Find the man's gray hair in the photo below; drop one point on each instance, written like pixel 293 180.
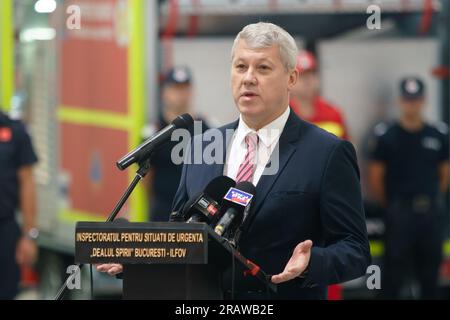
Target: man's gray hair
pixel 264 35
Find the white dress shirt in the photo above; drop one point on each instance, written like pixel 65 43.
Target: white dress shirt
pixel 268 136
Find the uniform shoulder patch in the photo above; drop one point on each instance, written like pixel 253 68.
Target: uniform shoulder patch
pixel 381 128
pixel 442 127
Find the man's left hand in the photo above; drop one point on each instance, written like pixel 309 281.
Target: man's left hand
pixel 26 252
pixel 297 264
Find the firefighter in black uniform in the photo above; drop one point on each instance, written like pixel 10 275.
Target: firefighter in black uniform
pixel 164 176
pixel 17 191
pixel 408 175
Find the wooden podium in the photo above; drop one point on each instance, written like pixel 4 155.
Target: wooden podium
pixel 163 260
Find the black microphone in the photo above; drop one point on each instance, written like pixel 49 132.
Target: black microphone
pixel 236 200
pixel 144 150
pixel 206 206
pixel 176 216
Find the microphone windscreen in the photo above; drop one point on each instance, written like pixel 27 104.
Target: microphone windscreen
pixel 219 186
pixel 184 121
pixel 188 205
pixel 246 186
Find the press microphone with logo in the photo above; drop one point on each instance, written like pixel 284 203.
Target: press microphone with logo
pixel 144 150
pixel 206 206
pixel 236 201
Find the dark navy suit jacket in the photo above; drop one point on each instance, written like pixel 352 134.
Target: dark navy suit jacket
pixel 314 195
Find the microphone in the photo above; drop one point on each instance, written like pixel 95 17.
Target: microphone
pixel 176 216
pixel 144 150
pixel 237 199
pixel 205 206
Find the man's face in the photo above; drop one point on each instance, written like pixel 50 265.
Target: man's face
pixel 260 83
pixel 307 86
pixel 412 107
pixel 177 97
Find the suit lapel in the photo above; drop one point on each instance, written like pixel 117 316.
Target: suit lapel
pixel 286 148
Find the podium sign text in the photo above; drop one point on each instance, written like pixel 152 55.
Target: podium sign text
pixel 141 243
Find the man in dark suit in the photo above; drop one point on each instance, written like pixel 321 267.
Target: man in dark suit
pixel 306 224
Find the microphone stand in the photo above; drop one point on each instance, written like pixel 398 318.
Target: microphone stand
pixel 144 167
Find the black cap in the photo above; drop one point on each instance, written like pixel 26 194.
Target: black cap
pixel 178 75
pixel 412 88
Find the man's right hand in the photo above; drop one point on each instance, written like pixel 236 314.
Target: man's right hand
pixel 111 268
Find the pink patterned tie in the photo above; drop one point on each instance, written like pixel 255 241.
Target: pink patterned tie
pixel 247 167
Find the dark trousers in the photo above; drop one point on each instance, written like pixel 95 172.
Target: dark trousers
pixel 10 272
pixel 413 245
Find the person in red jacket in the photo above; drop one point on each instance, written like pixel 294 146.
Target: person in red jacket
pixel 310 106
pixel 307 102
